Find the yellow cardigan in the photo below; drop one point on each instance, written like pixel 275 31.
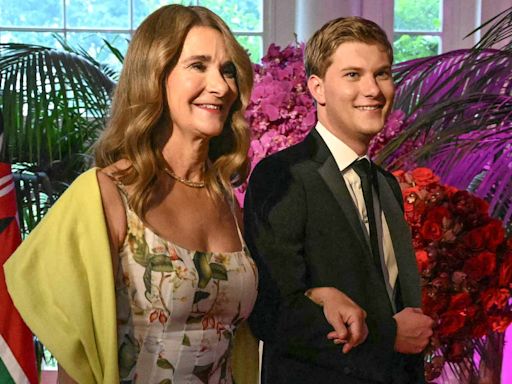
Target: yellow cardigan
pixel 61 282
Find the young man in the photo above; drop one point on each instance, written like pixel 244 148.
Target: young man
pixel 339 291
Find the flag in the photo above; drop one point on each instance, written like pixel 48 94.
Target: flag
pixel 17 354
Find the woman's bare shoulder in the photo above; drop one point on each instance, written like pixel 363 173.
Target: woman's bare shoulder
pixel 113 205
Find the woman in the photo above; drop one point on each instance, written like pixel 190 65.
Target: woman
pixel 168 237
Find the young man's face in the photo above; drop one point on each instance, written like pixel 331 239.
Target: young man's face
pixel 356 93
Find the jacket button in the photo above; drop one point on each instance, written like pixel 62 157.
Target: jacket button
pixel 347 370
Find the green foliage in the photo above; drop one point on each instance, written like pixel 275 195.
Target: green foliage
pixel 407 47
pixel 54 106
pixel 241 16
pixel 418 15
pixel 253 45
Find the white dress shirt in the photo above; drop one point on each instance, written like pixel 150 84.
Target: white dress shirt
pixel 344 157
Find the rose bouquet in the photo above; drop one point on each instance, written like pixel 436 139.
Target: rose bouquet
pixel 465 262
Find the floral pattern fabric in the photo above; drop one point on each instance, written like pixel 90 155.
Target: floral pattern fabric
pixel 178 309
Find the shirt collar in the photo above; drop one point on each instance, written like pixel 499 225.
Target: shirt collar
pixel 342 153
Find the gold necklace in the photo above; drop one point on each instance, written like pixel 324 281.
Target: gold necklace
pixel 188 183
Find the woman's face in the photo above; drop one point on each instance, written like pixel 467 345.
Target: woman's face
pixel 201 88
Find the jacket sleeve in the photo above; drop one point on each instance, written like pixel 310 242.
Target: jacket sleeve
pixel 275 215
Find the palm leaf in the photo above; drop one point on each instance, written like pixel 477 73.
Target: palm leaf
pixel 500 29
pixel 54 104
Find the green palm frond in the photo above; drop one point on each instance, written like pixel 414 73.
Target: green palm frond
pixel 54 105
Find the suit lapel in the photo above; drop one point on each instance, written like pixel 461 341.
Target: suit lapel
pixel 333 178
pixel 401 239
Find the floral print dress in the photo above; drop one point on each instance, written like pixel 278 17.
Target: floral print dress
pixel 178 309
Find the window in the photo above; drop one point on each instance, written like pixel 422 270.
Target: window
pixel 87 23
pixel 418 28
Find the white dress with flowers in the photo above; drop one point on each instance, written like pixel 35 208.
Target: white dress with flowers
pixel 178 309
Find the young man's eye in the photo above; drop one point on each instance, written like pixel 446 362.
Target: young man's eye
pixel 384 75
pixel 352 75
pixel 229 70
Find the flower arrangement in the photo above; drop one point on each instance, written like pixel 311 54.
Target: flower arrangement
pixel 465 262
pixel 281 111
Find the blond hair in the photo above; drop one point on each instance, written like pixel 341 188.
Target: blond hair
pixel 140 115
pixel 322 45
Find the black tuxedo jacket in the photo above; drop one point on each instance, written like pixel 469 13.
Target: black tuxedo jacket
pixel 303 230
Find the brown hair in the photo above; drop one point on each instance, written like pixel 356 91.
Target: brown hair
pixel 140 115
pixel 322 45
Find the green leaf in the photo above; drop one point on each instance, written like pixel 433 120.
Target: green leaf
pixel 128 353
pixel 186 340
pixel 203 269
pixel 200 295
pixel 164 363
pixel 194 319
pixel 161 263
pixel 140 254
pixel 203 372
pixel 219 271
pixel 147 279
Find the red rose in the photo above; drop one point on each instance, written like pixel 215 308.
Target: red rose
pixel 431 230
pixel 475 239
pixel 482 206
pixel 499 323
pixel 424 176
pixel 451 322
pixel 433 304
pixel 450 190
pixel 408 207
pixel 509 243
pixel 399 174
pixel 495 234
pixel 505 279
pixel 460 301
pixel 479 329
pixel 411 195
pixel 442 281
pixel 463 202
pixel 495 298
pixel 435 192
pixel 439 214
pixel 481 265
pixel 471 311
pixel 422 259
pixel 458 278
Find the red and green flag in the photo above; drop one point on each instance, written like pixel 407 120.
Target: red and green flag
pixel 17 355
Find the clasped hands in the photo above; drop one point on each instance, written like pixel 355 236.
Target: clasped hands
pixel 348 319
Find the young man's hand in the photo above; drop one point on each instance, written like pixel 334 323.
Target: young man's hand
pixel 346 317
pixel 413 330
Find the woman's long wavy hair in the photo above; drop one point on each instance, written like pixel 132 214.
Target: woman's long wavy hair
pixel 140 118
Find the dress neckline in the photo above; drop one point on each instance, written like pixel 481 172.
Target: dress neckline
pixel 129 210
